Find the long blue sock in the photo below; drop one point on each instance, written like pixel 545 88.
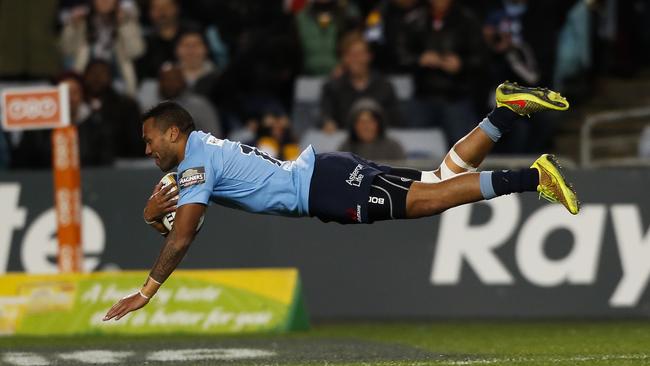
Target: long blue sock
pixel 498 183
pixel 498 122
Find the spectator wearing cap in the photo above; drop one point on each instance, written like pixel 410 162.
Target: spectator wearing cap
pixel 356 82
pixel 107 31
pixel 367 133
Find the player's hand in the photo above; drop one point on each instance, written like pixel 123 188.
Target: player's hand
pixel 161 202
pixel 126 305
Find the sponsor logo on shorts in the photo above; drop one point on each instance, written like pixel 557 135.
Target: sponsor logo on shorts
pixel 354 215
pixel 355 178
pixel 404 179
pixel 192 176
pixel 377 200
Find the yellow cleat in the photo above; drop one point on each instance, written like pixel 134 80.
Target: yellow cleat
pixel 526 101
pixel 552 185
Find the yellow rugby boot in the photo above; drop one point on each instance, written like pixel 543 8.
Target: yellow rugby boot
pixel 552 185
pixel 526 101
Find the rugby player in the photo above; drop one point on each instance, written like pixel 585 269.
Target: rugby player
pixel 340 187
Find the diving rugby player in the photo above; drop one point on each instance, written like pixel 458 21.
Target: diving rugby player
pixel 340 187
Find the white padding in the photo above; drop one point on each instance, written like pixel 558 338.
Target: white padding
pixel 429 177
pixel 445 172
pixel 460 162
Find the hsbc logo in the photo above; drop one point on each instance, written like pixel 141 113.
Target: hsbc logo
pixel 35 108
pixel 462 243
pixel 32 108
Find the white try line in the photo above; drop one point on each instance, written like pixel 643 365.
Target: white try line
pixel 106 357
pixel 551 360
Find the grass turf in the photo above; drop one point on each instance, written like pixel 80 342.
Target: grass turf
pixel 440 343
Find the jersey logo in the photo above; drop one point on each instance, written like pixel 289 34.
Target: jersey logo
pixel 192 176
pixel 214 141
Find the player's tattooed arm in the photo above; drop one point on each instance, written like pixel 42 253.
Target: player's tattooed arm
pixel 170 256
pixel 178 241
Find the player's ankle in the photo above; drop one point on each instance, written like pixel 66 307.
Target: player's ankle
pixel 503 118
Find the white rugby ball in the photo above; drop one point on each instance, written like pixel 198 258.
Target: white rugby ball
pixel 168 219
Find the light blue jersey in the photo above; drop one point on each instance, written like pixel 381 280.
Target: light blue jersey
pixel 240 176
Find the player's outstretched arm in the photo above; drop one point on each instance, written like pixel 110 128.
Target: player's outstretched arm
pixel 176 245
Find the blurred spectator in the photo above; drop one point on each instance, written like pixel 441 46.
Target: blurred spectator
pixel 274 134
pixel 30 149
pixel 5 154
pixel 112 109
pixel 386 30
pixel 262 71
pixel 27 39
pixel 520 53
pixel 200 74
pixel 107 31
pixel 451 52
pixel 95 134
pixel 356 82
pixel 172 86
pixel 574 51
pixel 367 128
pixel 320 24
pixel 161 38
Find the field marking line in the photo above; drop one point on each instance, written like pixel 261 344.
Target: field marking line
pixel 24 359
pixel 487 361
pixel 209 354
pixel 96 356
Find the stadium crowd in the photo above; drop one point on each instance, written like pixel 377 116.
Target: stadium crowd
pixel 267 72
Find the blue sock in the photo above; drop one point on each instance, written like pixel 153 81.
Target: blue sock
pixel 498 122
pixel 499 183
pixel 491 130
pixel 487 190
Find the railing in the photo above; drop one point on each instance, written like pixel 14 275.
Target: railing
pixel 615 117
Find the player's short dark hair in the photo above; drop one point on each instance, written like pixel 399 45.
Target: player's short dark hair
pixel 167 114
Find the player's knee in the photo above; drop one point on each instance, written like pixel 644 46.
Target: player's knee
pixel 426 200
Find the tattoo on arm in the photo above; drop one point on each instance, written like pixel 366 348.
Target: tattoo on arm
pixel 170 256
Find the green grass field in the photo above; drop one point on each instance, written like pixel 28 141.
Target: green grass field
pixel 439 343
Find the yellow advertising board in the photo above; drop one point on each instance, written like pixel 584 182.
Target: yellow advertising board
pixel 191 301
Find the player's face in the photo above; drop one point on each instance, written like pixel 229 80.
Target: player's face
pixel 158 145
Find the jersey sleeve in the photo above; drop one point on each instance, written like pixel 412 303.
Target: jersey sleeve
pixel 195 184
pixel 195 181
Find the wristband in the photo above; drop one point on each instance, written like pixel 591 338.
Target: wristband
pixel 147 222
pixel 143 295
pixel 150 288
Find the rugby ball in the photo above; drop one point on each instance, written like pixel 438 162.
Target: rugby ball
pixel 168 219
